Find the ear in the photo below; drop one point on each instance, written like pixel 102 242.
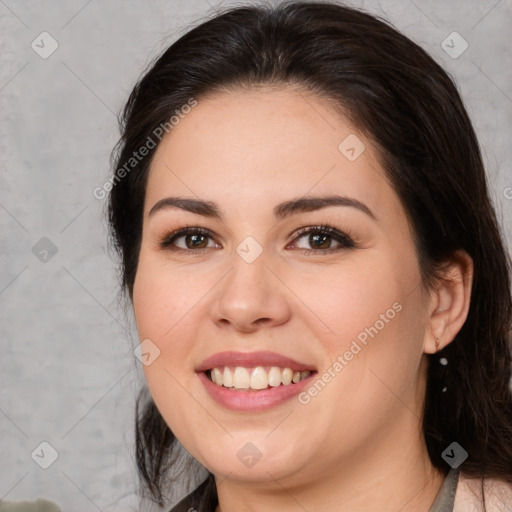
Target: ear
pixel 449 302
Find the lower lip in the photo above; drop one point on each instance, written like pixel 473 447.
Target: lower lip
pixel 252 400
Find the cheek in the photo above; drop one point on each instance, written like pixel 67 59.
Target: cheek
pixel 164 304
pixel 372 343
pixel 163 307
pixel 368 320
pixel 347 302
pixel 164 297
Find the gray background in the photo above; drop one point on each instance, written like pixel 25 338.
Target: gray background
pixel 67 371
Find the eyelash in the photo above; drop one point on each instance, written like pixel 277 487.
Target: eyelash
pixel 345 240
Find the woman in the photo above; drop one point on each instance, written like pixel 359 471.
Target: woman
pixel 319 282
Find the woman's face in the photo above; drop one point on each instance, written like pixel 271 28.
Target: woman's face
pixel 268 301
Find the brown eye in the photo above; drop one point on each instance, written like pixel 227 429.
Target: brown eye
pixel 193 239
pixel 320 239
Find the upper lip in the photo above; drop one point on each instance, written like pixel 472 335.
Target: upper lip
pixel 252 359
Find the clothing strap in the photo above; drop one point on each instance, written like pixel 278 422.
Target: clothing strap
pixel 445 499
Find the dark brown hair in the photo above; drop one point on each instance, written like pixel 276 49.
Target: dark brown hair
pixel 401 99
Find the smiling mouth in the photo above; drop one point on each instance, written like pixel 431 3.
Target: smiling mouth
pixel 240 378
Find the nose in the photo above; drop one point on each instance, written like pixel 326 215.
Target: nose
pixel 251 297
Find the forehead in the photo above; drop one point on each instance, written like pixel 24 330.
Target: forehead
pixel 254 145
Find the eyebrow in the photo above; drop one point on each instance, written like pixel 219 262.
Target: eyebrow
pixel 281 211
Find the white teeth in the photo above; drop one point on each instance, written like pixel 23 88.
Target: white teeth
pixel 227 378
pixel 241 378
pixel 217 376
pixel 257 379
pixel 274 376
pixel 286 377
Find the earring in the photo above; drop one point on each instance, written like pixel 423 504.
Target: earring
pixel 443 361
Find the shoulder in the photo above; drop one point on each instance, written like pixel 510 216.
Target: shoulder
pixel 40 505
pixel 468 498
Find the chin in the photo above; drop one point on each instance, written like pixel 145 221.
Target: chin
pixel 259 461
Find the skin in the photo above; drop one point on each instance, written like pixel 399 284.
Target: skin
pixel 358 444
